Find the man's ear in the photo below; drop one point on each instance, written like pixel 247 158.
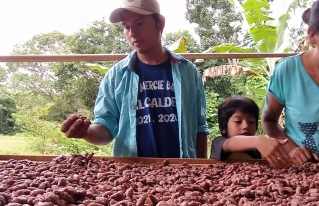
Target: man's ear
pixel 311 36
pixel 161 23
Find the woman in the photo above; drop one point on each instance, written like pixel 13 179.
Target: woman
pixel 294 85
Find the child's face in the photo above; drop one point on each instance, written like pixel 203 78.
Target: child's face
pixel 241 124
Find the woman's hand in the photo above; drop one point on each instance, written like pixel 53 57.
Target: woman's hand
pixel 300 155
pixel 274 152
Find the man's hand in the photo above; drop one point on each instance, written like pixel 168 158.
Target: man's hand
pixel 75 126
pixel 273 151
pixel 300 155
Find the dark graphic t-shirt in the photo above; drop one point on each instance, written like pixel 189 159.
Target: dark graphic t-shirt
pixel 156 115
pixel 218 153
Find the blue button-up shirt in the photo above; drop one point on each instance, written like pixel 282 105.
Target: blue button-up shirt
pixel 116 104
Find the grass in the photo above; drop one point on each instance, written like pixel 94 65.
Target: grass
pixel 23 145
pixel 17 144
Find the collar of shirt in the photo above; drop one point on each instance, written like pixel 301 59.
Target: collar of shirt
pixel 176 59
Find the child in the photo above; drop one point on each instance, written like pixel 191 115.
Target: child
pixel 238 121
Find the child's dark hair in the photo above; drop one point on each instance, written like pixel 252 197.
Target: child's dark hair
pixel 311 17
pixel 232 104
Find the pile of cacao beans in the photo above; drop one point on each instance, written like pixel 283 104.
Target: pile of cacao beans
pixel 84 180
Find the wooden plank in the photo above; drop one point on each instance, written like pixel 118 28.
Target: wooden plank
pixel 131 160
pixel 117 57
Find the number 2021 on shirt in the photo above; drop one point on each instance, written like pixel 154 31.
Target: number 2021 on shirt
pixel 160 118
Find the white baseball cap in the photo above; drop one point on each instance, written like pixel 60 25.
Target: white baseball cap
pixel 144 7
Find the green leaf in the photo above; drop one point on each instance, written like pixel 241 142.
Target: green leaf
pixel 265 37
pixel 237 49
pixel 97 67
pixel 281 28
pixel 257 16
pixel 261 92
pixel 256 12
pixel 179 46
pixel 232 2
pixel 231 49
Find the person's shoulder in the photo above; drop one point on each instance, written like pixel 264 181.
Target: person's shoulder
pixel 289 61
pixel 122 64
pixel 179 58
pixel 288 65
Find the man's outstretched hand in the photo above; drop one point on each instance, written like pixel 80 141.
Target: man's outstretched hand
pixel 75 126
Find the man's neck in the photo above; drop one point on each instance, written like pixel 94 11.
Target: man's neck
pixel 153 57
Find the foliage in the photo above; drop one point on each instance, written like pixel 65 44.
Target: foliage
pixel 267 32
pixel 266 29
pixel 171 37
pixel 217 22
pixel 297 31
pixel 101 69
pixel 99 38
pixel 7 109
pixel 217 89
pixel 46 137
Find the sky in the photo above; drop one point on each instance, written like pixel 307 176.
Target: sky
pixel 20 20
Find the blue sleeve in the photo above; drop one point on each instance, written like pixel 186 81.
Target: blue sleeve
pixel 106 112
pixel 202 125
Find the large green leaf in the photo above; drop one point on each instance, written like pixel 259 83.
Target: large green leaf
pixel 257 16
pixel 237 49
pixel 179 46
pixel 265 37
pixel 281 28
pixel 256 12
pixel 99 68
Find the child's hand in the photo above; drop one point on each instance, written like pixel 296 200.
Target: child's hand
pixel 301 155
pixel 274 152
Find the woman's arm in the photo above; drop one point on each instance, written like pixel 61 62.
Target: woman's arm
pixel 272 128
pixel 269 121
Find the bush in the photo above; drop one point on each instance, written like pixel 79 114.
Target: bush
pixel 46 138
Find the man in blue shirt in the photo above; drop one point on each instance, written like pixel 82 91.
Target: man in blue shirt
pixel 152 103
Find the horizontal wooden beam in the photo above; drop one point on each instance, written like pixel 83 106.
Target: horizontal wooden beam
pixel 129 160
pixel 117 57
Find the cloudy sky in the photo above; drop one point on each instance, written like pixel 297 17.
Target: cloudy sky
pixel 20 20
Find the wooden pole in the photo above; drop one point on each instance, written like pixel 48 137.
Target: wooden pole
pixel 117 57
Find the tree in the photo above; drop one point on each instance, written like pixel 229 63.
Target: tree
pixel 98 38
pixel 266 31
pixel 37 77
pixel 297 31
pixel 70 86
pixel 7 108
pixel 217 22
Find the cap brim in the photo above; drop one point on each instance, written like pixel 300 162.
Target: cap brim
pixel 116 14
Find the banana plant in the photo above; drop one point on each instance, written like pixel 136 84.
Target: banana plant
pixel 101 69
pixel 266 30
pixel 179 46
